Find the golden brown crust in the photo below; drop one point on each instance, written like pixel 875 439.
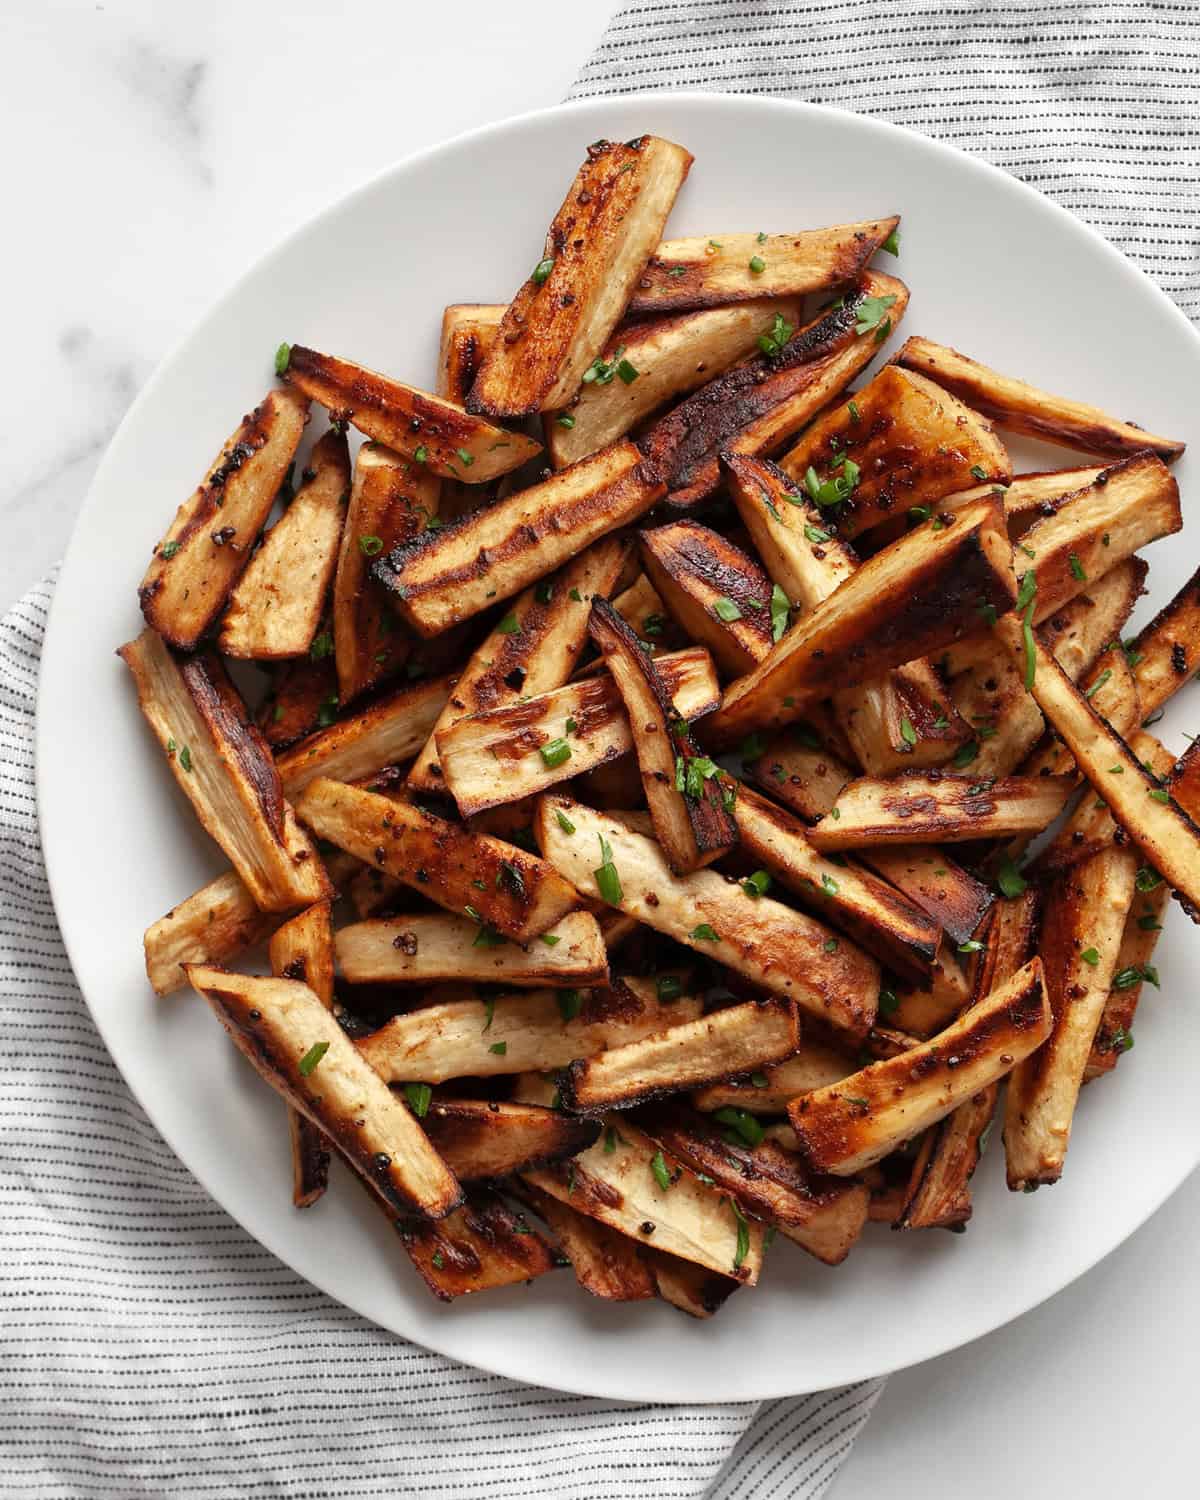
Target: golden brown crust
pixel 488 1138
pixel 479 1246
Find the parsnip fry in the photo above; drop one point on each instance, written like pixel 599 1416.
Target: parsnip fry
pixel 939 1196
pixel 606 1262
pixel 906 442
pixel 1081 938
pixel 939 807
pixel 515 751
pixel 690 819
pixel 780 950
pixel 1077 633
pixel 693 1289
pixel 214 925
pixel 303 949
pixel 430 948
pixel 770 1091
pixel 721 597
pixel 1027 497
pixel 1164 832
pixel 822 1214
pixel 208 544
pixel 615 1181
pixel 705 272
pixel 847 1126
pixel 518 1032
pixel 669 356
pixel 479 1246
pixel 276 606
pixel 436 434
pixel 534 648
pixel 487 1138
pixel 794 768
pixel 469 330
pixel 596 249
pixel 936 883
pixel 1018 407
pixel 387 732
pixel 449 575
pixel 1114 1035
pixel 735 1040
pixel 909 600
pixel 885 923
pixel 299 1048
pixel 762 402
pixel 224 768
pixel 1166 653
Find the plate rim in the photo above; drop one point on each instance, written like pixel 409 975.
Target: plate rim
pixel 56 849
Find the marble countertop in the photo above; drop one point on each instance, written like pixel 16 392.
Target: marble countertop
pixel 169 147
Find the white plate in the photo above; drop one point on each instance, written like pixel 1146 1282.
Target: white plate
pixel 994 269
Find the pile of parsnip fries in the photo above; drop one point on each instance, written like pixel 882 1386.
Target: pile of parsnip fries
pixel 660 716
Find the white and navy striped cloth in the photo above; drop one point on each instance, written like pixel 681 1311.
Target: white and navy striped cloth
pixel 148 1346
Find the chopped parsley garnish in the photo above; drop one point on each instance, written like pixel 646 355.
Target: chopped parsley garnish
pixel 869 314
pixel 726 609
pixel 907 732
pixel 658 1166
pixel 563 821
pixel 1099 683
pixel 509 625
pixel 499 1048
pixel 757 265
pixel 541 272
pixel 370 546
pixel 829 885
pixel 467 458
pixel 1090 956
pixel 972 945
pixel 628 373
pixel 185 758
pixel 772 343
pixel 322 645
pixel 742 1122
pixel 312 1057
pixel 757 885
pixel 565 419
pixel 889 1002
pixel 704 933
pixel 743 1236
pixel 570 1003
pixel 780 612
pixel 555 753
pixel 421 453
pixel 419 1096
pixel 892 243
pixel 668 987
pixel 607 879
pixel 283 358
pixel 1009 880
pixel 855 414
pixel 835 489
pixel 1147 879
pixel 1077 571
pixel 169 549
pixel 816 535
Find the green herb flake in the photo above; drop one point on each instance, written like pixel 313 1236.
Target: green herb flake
pixel 704 933
pixel 816 535
pixel 541 272
pixel 489 1011
pixel 185 758
pixel 829 885
pixel 1099 683
pixel 743 1236
pixel 312 1057
pixel 855 414
pixel 781 613
pixel 627 373
pixel 1147 879
pixel 892 243
pixel 978 472
pixel 742 1122
pixel 658 1166
pixel 668 987
pixel 419 1096
pixel 555 753
pixel 570 1003
pixel 322 645
pixel 907 732
pixel 1009 880
pixel 725 609
pixel 830 945
pixel 509 625
pixel 565 419
pixel 869 314
pixel 757 265
pixel 757 885
pixel 1090 956
pixel 370 546
pixel 421 454
pixel 283 358
pixel 972 945
pixel 607 879
pixel 563 821
pixel 772 343
pixel 1159 794
pixel 1077 571
pixel 169 549
pixel 889 1002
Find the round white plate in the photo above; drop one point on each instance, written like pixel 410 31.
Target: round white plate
pixel 994 269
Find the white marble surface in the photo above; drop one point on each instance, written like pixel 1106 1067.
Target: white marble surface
pixel 154 150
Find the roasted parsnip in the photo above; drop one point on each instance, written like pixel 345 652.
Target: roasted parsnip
pixel 880 919
pixel 498 885
pixel 847 1126
pixel 778 949
pixel 769 1091
pixel 488 1138
pixel 533 648
pixel 224 768
pixel 939 806
pixel 432 947
pixel 481 1245
pixel 721 597
pixel 933 881
pixel 682 788
pixel 1166 653
pixel 1084 920
pixel 824 1215
pixel 727 1042
pixel 303 949
pixel 299 1048
pixel 437 435
pixel 606 1262
pixel 1018 407
pixel 910 600
pixel 796 769
pixel 449 575
pixel 276 606
pixel 518 1032
pixel 657 360
pixel 738 267
pixel 208 544
pixel 762 402
pixel 625 1181
pixel 896 446
pixel 596 249
pixel 518 750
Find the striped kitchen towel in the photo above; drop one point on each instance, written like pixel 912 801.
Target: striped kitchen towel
pixel 149 1346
